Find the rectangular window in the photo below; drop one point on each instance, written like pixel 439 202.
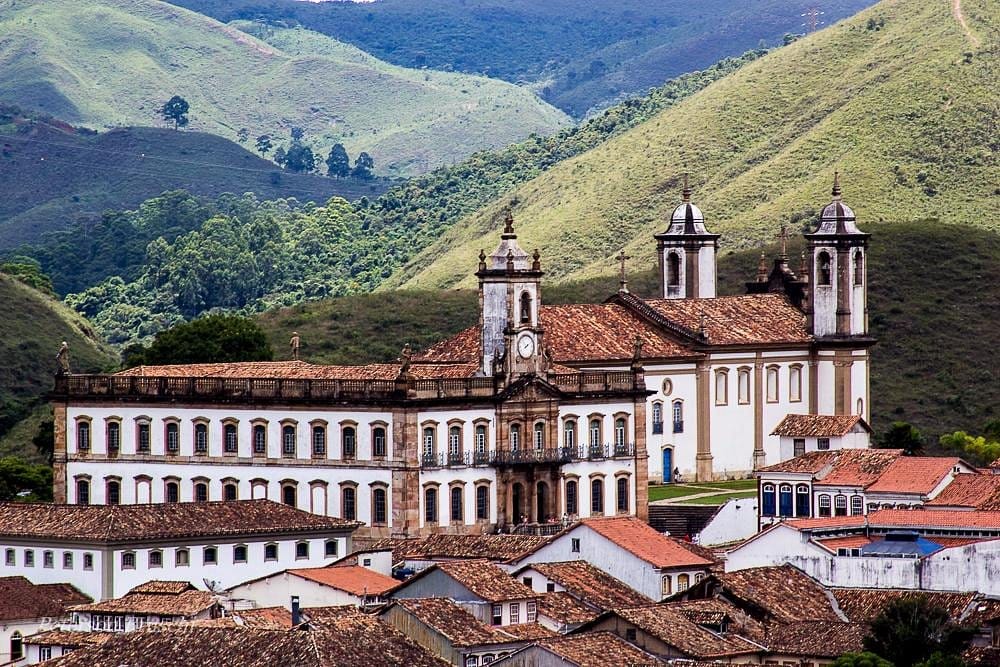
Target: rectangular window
pixel 575 545
pixel 210 556
pixel 48 559
pixel 798 446
pixel 532 612
pixel 67 560
pixel 128 560
pixel 515 612
pixel 550 587
pixel 795 384
pixel 10 558
pixel 378 442
pixel 319 441
pixel 259 439
pixel 142 437
pixel 29 558
pixel 155 559
pixel 88 561
pixel 45 652
pixel 772 384
pixel 721 387
pixel 331 548
pixel 229 439
pixel 857 505
pixel 840 506
pixel 823 444
pixel 497 616
pixel 743 381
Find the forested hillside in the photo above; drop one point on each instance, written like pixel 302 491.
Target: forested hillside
pixel 934 364
pixel 52 52
pixel 52 174
pixel 901 99
pixel 579 56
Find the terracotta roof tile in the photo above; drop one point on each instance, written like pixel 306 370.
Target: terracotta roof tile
pixel 453 622
pixel 123 523
pixel 68 638
pixel 675 627
pixel 982 656
pixel 750 319
pixel 968 490
pixel 848 542
pixel 528 631
pixel 593 586
pixel 982 611
pixel 934 519
pixel 805 426
pixel 914 474
pixel 21 599
pixel 810 462
pixel 490 547
pixel 784 593
pixel 301 370
pixel 353 579
pixel 564 608
pixel 262 618
pixel 821 639
pixel 859 467
pixel 861 605
pixel 486 580
pixel 163 587
pixel 598 649
pixel 641 540
pixel 818 523
pixel 187 603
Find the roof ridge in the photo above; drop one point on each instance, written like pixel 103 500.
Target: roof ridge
pixel 645 311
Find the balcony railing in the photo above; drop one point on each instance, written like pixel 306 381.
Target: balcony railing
pixel 678 427
pixel 657 428
pixel 522 457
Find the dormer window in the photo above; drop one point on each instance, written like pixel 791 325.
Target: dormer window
pixel 525 308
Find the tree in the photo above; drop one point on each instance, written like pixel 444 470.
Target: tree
pixel 263 144
pixel 914 628
pixel 300 158
pixel 279 156
pixel 45 439
pixel 215 338
pixel 363 166
pixel 297 133
pixel 176 109
pixel 338 162
pixel 18 477
pixel 242 135
pixel 902 435
pixel 866 659
pixel 981 450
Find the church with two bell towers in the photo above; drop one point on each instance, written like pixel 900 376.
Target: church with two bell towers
pixel 536 415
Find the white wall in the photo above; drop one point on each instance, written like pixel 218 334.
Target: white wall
pixel 88 580
pixel 277 591
pixel 25 628
pixel 735 520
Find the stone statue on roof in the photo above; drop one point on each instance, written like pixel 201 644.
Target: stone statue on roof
pixel 405 359
pixel 62 359
pixel 295 343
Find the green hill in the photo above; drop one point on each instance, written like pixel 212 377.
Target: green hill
pixel 33 327
pixel 901 99
pixel 934 365
pixel 52 174
pixel 108 63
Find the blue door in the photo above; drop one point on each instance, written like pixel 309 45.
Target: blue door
pixel 668 466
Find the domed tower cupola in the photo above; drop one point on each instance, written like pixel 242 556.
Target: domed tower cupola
pixel 838 280
pixel 686 252
pixel 509 306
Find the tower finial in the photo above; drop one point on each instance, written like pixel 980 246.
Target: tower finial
pixel 623 281
pixel 508 222
pixel 762 268
pixel 836 185
pixel 686 193
pixel 803 268
pixel 783 237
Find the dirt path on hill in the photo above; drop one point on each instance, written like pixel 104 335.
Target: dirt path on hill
pixel 956 11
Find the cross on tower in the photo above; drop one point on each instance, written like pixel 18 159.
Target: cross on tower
pixel 623 281
pixel 783 237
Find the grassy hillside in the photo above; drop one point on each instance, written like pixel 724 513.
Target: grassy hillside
pixel 106 63
pixel 899 98
pixel 934 365
pixel 32 327
pixel 52 174
pixel 579 55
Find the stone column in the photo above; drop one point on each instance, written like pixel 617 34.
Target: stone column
pixel 59 467
pixel 703 459
pixel 758 412
pixel 842 363
pixel 405 473
pixel 641 476
pixel 813 383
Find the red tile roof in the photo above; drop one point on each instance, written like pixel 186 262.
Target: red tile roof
pixel 676 628
pixel 751 319
pixel 597 649
pixel 810 462
pixel 564 608
pixel 935 519
pixel 593 586
pixel 301 370
pixel 484 579
pixel 20 599
pixel 970 490
pixel 849 542
pixel 914 474
pixel 821 522
pixel 263 618
pixel 641 540
pixel 124 523
pixel 491 547
pixel 187 603
pixel 353 579
pixel 859 467
pixel 163 587
pixel 861 605
pixel 784 593
pixel 454 623
pixel 822 426
pixel 68 638
pixel 816 639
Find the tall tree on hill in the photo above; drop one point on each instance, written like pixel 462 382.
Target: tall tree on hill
pixel 902 435
pixel 263 144
pixel 338 162
pixel 176 109
pixel 242 135
pixel 363 166
pixel 297 133
pixel 215 338
pixel 300 158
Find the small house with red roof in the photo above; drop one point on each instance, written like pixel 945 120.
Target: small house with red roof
pixel 799 434
pixel 342 583
pixel 629 550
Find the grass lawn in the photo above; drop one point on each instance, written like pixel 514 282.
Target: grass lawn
pixel 661 492
pixel 721 498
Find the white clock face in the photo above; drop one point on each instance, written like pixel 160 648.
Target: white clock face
pixel 525 346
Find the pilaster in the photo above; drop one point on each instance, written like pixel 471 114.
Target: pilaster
pixel 842 362
pixel 406 478
pixel 758 412
pixel 59 467
pixel 843 290
pixel 703 458
pixel 641 459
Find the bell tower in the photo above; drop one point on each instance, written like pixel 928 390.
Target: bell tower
pixel 509 307
pixel 838 281
pixel 686 252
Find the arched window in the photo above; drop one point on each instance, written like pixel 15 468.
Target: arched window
pixel 156 558
pixel 83 435
pixel 666 587
pixel 114 436
pixel 795 383
pixel 621 494
pixel 379 507
pixel 430 505
pixel 301 550
pixel 428 442
pixel 572 504
pixel 857 505
pixel 861 406
pixel 289 495
pixel 16 646
pixel 823 268
pixel 802 500
pixel 596 496
pixel 539 436
pixel 621 436
pixel 767 500
pixel 657 415
pixel 859 268
pixel 683 582
pixel 172 492
pixel 173 437
pixel 349 437
pixel 182 558
pixel 113 492
pixel 259 440
pixel 378 442
pixel 480 438
pixel 82 492
pixel 210 556
pixel 785 500
pixel 201 492
pixel 722 387
pixel 569 433
pixel 673 269
pixel 525 308
pixel 319 440
pixel 240 553
pixel 454 443
pixel 288 441
pixel 840 505
pixel 142 436
pixel 678 415
pixel 201 438
pixel 230 442
pixel 482 503
pixel 349 503
pixel 772 384
pixel 824 505
pixel 230 491
pixel 743 386
pixel 270 552
pixel 515 437
pixel 595 433
pixel 456 503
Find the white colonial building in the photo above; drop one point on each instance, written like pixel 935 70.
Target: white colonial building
pixel 536 413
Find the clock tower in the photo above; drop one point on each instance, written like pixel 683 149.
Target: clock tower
pixel 509 307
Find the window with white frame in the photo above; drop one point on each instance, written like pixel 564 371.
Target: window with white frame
pixel 722 386
pixel 539 435
pixel 288 441
pixel 230 438
pixel 201 438
pixel 480 438
pixel 515 613
pixel 532 612
pixel 349 442
pixel 595 433
pixel 128 560
pixel 743 386
pixel 210 556
pixel 569 433
pixel 259 440
pixel 772 384
pixel 515 437
pixel 454 442
pixel 319 440
pixel 378 442
pixel 173 436
pixel 114 436
pixel 142 437
pixel 428 442
pixel 795 383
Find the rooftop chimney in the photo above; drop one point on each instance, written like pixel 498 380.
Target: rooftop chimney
pixel 296 613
